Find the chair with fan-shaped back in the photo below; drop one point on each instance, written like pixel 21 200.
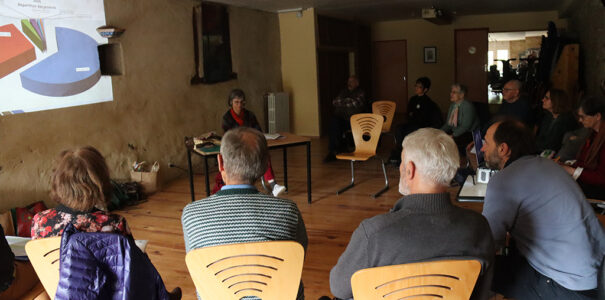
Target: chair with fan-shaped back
pixel 445 279
pixel 387 110
pixel 44 256
pixel 366 130
pixel 268 270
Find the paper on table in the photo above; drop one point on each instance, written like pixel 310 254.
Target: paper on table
pixel 142 244
pixel 272 136
pixel 17 244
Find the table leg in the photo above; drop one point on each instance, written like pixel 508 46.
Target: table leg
pixel 309 172
pixel 207 176
pixel 286 168
pixel 190 175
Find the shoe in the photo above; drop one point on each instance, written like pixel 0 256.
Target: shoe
pixel 175 294
pixel 278 190
pixel 330 158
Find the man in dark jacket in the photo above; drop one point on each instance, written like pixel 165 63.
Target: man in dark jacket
pixel 350 101
pixel 423 225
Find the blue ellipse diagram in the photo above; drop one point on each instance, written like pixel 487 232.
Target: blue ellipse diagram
pixel 75 67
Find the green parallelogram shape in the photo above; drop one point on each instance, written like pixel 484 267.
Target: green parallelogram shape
pixel 31 33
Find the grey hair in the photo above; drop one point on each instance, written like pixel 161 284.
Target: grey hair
pixel 461 87
pixel 434 153
pixel 245 153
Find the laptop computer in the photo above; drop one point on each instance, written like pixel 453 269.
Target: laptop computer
pixel 478 145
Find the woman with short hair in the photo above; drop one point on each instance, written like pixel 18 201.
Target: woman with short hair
pixel 589 168
pixel 238 116
pixel 81 185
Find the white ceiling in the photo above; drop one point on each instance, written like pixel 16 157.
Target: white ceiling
pixel 381 10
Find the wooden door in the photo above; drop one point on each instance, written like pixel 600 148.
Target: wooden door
pixel 333 69
pixel 390 72
pixel 471 47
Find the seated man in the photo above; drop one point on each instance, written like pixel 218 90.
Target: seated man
pixel 349 101
pixel 423 225
pixel 238 213
pixel 514 105
pixel 559 241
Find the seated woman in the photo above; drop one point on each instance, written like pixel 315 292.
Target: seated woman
pixel 80 184
pixel 461 118
pixel 557 120
pixel 589 168
pixel 238 116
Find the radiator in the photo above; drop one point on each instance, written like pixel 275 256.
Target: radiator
pixel 278 112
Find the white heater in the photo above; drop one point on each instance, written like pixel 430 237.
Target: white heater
pixel 278 112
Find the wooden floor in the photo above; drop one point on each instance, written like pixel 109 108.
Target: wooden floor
pixel 330 219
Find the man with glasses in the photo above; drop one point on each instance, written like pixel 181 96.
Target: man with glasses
pixel 514 105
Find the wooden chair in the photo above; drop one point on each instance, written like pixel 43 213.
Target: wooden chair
pixel 386 109
pixel 44 256
pixel 366 130
pixel 446 279
pixel 268 270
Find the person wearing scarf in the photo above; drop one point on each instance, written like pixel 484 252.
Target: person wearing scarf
pixel 589 168
pixel 461 118
pixel 238 116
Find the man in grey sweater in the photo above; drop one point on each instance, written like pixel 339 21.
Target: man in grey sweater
pixel 423 225
pixel 559 241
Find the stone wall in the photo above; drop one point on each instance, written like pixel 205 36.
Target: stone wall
pixel 154 104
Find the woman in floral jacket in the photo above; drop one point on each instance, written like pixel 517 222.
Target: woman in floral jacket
pixel 81 186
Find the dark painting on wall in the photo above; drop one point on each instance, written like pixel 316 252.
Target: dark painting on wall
pixel 212 46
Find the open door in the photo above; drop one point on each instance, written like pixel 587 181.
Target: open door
pixel 471 62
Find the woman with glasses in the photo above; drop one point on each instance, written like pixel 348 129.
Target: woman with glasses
pixel 589 168
pixel 237 116
pixel 557 120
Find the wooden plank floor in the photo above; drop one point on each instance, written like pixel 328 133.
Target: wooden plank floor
pixel 330 219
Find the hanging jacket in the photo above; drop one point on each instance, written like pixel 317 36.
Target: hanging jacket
pixel 105 266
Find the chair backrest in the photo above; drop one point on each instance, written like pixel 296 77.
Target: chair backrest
pixel 44 256
pixel 269 270
pixel 446 279
pixel 387 110
pixel 366 130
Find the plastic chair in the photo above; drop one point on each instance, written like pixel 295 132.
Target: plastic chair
pixel 268 270
pixel 366 130
pixel 387 110
pixel 44 256
pixel 445 279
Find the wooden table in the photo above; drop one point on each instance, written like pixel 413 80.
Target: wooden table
pixel 287 140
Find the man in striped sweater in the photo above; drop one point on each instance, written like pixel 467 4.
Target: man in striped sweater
pixel 238 213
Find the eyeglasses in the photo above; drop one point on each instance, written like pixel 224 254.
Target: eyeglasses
pixel 505 89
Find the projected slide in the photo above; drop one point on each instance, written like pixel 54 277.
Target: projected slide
pixel 19 51
pixel 48 55
pixel 72 70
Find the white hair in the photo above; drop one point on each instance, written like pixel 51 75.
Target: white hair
pixel 434 153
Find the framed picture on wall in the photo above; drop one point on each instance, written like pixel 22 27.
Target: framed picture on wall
pixel 430 55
